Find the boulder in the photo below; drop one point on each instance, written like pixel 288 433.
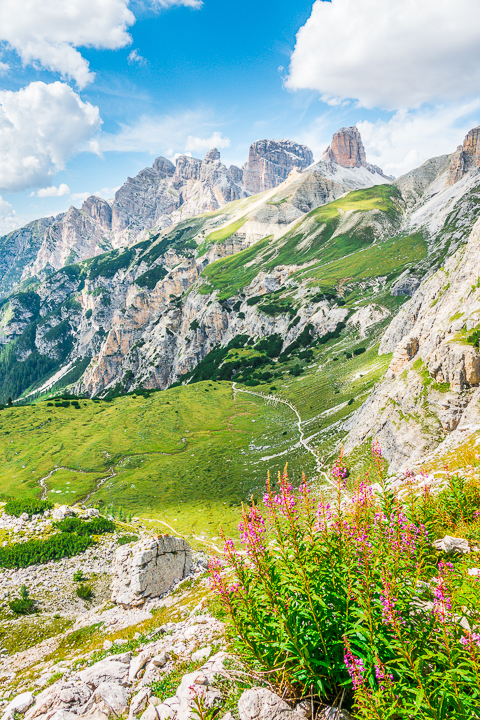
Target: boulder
pixel 109 699
pixel 62 512
pixel 19 704
pixel 148 569
pixel 452 545
pixel 114 669
pixel 258 703
pixel 70 695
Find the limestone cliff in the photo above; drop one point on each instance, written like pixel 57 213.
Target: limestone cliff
pixel 466 157
pixel 431 388
pixel 271 161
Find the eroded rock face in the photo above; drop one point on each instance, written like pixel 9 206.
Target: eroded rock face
pixel 466 157
pixel 271 161
pixel 432 387
pixel 148 569
pixel 347 148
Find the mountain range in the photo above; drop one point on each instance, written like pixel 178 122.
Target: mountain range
pixel 352 294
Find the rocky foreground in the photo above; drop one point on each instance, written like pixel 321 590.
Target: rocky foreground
pixel 120 658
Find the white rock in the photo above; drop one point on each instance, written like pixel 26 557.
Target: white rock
pixel 61 512
pixel 112 669
pixel 258 703
pixel 139 702
pixel 107 644
pixel 452 545
pixel 137 664
pixel 148 569
pixel 161 659
pixel 111 699
pixel 19 704
pixel 202 653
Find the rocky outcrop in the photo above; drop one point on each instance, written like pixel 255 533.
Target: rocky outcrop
pixel 466 157
pixel 271 161
pixel 366 317
pixel 432 386
pixel 347 148
pixel 405 285
pixel 148 569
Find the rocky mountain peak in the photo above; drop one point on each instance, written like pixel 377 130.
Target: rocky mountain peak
pixel 466 157
pixel 100 210
pixel 347 148
pixel 164 167
pixel 212 156
pixel 271 161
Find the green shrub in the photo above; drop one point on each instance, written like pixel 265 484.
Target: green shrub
pixel 95 526
pixel 31 507
pixel 125 539
pixel 336 599
pixel 36 552
pixel 359 351
pixel 22 605
pixel 84 592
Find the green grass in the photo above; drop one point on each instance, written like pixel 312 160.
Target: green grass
pixel 218 236
pixel 183 456
pixel 314 239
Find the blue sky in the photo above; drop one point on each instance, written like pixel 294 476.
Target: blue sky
pixel 91 91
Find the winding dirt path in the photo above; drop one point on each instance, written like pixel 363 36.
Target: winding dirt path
pixel 43 485
pixel 303 442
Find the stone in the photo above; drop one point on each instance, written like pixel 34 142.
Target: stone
pixel 452 545
pixel 347 148
pixel 19 704
pixel 113 669
pixel 202 653
pixel 139 702
pixel 404 352
pixel 367 316
pixel 327 712
pixel 148 569
pixel 259 703
pixel 161 659
pixel 107 644
pixel 62 512
pixel 69 695
pixel 109 698
pixel 138 663
pixel 406 284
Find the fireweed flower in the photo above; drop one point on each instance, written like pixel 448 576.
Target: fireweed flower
pixel 442 603
pixel 471 641
pixel 383 677
pixel 388 602
pixel 324 514
pixel 252 531
pixel 376 450
pixel 355 668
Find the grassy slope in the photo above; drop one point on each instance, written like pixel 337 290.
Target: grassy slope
pixel 183 456
pixel 327 257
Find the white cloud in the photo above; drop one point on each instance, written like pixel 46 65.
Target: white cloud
pixel 48 32
pixel 389 53
pixel 54 191
pixel 195 4
pixel 41 126
pixel 168 134
pixel 8 218
pixel 198 144
pixel 105 193
pixel 135 57
pixel 4 67
pixel 409 138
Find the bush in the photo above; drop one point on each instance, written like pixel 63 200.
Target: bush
pixel 84 592
pixel 23 605
pixel 125 539
pixel 78 576
pixel 36 552
pixel 31 507
pixel 359 351
pixel 351 600
pixel 95 526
